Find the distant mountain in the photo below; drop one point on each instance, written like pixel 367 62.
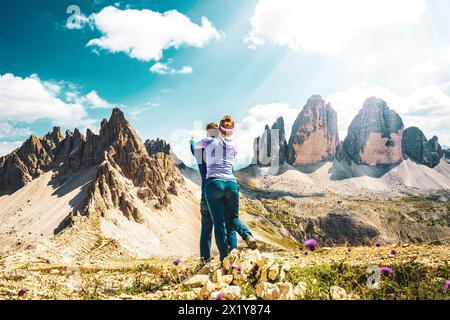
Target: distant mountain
pixel 314 137
pixel 376 137
pixel 418 148
pixel 108 183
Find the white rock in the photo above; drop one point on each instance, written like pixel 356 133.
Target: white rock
pixel 300 290
pixel 286 291
pixel 231 292
pixel 227 279
pixel 263 274
pixel 337 293
pixel 260 259
pixel 229 260
pixel 286 266
pixel 273 272
pixel 217 276
pixel 206 290
pixel 267 291
pixel 196 281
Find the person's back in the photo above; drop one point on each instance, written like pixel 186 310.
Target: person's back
pixel 219 154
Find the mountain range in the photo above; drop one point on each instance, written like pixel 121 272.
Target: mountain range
pixel 376 137
pixel 76 196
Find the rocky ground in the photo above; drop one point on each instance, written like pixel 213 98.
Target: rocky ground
pixel 418 272
pixel 286 220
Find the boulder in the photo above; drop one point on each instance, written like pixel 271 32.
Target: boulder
pixel 217 276
pixel 274 271
pixel 267 291
pixel 300 290
pixel 196 281
pixel 337 293
pixel 286 291
pixel 206 290
pixel 227 279
pixel 231 292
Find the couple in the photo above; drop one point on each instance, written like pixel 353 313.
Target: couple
pixel 220 192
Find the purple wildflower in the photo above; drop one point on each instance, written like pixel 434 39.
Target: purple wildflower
pixel 238 267
pixel 311 244
pixel 176 262
pixel 447 285
pixel 22 292
pixel 393 251
pixel 349 249
pixel 387 271
pixel 378 244
pixel 218 296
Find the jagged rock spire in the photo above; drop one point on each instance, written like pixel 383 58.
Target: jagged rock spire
pixel 314 137
pixel 375 135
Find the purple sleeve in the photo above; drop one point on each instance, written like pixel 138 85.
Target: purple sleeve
pixel 235 149
pixel 202 144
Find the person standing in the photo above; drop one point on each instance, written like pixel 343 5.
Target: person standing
pixel 221 188
pixel 206 219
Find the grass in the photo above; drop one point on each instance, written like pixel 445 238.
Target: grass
pixel 411 281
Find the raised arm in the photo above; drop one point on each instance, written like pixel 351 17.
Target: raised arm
pixel 202 144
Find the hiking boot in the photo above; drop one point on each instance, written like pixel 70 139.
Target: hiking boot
pixel 251 242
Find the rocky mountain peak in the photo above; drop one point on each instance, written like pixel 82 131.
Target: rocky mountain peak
pixel 375 135
pixel 118 155
pixel 264 153
pixel 314 137
pixel 156 146
pixel 434 142
pixel 29 161
pixel 419 149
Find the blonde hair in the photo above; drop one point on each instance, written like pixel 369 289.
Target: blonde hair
pixel 227 120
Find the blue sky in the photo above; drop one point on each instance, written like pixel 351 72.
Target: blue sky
pixel 171 65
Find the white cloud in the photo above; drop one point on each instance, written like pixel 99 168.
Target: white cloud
pixel 424 67
pixel 137 110
pixel 253 125
pixel 7 130
pixel 95 101
pixel 7 147
pixel 324 25
pixel 29 99
pixel 445 54
pixel 145 34
pixel 427 108
pixel 246 131
pixel 164 68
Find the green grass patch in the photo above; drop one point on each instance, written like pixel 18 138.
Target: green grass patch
pixel 410 281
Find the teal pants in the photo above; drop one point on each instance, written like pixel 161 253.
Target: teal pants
pixel 222 197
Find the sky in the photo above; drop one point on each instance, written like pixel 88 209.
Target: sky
pixel 173 66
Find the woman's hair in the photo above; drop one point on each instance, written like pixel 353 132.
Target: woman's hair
pixel 212 125
pixel 226 125
pixel 227 122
